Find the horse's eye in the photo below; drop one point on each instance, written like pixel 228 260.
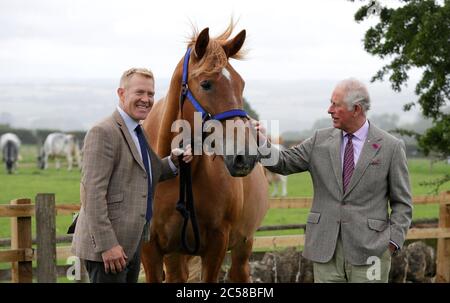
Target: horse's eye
pixel 205 84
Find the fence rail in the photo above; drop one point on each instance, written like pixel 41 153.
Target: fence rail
pixel 22 254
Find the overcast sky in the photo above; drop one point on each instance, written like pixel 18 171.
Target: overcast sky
pixel 57 39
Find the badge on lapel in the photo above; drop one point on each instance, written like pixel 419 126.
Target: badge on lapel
pixel 375 162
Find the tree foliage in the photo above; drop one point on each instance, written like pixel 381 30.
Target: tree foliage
pixel 250 111
pixel 416 35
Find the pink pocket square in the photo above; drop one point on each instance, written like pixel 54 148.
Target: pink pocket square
pixel 375 162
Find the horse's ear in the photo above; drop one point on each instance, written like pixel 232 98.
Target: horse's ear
pixel 234 45
pixel 202 43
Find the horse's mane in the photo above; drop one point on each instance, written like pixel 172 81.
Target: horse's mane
pixel 215 58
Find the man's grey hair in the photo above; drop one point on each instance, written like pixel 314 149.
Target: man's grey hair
pixel 355 92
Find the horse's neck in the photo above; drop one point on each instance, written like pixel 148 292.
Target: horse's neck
pixel 170 114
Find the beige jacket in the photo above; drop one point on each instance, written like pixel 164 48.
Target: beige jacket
pixel 379 182
pixel 113 190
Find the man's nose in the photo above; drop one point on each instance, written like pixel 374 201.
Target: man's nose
pixel 146 99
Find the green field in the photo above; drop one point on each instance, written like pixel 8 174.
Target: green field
pixel 29 181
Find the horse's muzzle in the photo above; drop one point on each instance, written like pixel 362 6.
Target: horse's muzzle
pixel 240 165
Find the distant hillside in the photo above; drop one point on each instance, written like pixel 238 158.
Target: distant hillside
pixel 77 105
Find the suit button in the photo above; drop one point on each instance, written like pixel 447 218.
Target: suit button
pixel 338 221
pixel 145 176
pixel 144 196
pixel 142 215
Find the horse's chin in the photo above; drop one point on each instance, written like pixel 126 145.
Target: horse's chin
pixel 239 172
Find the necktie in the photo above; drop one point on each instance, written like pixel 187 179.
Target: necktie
pixel 143 146
pixel 349 164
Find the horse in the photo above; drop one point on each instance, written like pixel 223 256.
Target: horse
pixel 59 145
pixel 279 182
pixel 10 145
pixel 230 191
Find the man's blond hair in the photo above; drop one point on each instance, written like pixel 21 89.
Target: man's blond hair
pixel 126 76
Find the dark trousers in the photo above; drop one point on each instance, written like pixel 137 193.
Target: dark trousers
pixel 130 274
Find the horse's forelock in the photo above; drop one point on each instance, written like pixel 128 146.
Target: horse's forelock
pixel 213 61
pixel 215 58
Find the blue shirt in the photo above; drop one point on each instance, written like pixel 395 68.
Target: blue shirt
pixel 131 126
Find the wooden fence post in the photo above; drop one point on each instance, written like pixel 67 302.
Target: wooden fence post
pixel 21 237
pixel 46 238
pixel 443 246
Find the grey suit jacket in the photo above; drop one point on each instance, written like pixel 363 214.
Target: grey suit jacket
pixel 113 190
pixel 380 180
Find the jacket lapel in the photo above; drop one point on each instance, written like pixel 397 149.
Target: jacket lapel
pixel 370 149
pixel 335 154
pixel 128 139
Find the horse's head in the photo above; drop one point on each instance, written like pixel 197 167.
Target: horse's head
pixel 215 89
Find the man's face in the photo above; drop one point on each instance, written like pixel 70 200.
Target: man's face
pixel 137 98
pixel 342 117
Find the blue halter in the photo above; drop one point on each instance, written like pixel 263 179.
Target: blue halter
pixel 185 92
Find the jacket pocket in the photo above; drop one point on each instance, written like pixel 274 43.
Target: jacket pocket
pixel 113 203
pixel 378 225
pixel 114 198
pixel 313 218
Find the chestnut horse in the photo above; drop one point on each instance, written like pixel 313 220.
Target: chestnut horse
pixel 228 209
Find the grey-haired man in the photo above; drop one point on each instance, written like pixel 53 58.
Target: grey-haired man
pixel 359 171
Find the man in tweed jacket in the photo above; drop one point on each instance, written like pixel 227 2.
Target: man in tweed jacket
pixel 114 186
pixel 350 233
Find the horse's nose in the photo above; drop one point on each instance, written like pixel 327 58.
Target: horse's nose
pixel 239 161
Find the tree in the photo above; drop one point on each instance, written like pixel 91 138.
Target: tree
pixel 250 111
pixel 416 35
pixel 388 122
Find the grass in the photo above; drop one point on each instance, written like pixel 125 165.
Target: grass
pixel 29 181
pixel 300 185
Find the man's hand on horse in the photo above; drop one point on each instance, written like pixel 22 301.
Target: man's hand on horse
pixel 187 154
pixel 114 259
pixel 261 131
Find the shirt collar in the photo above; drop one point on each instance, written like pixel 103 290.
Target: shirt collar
pixel 361 133
pixel 129 122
